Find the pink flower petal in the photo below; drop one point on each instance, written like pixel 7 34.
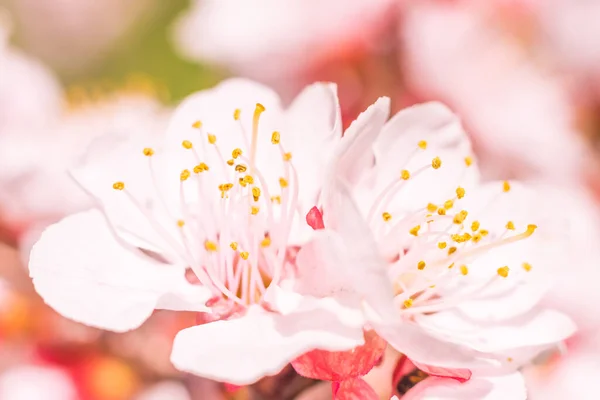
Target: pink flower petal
pixel 460 374
pixel 353 389
pixel 314 219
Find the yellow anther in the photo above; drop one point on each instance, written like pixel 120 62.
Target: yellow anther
pixel 408 303
pixel 464 269
pixel 224 187
pixel 404 174
pixel 236 114
pixel 283 183
pixel 441 211
pixel 465 237
pixel 287 156
pixel 236 153
pixel 233 245
pixel 530 229
pixel 431 207
pixel 256 193
pixel 505 186
pixel 527 266
pixel 180 223
pixel 197 124
pixel 210 246
pixel 503 271
pixel 212 139
pixel 475 225
pixel 477 237
pixel 186 144
pixel 254 210
pixel 415 230
pixel 422 144
pixel 276 199
pixel 484 232
pixel 421 265
pixel 442 245
pixel 241 168
pixel 266 242
pixel 436 163
pixel 200 168
pixel 460 217
pixel 259 108
pixel 244 255
pixel 451 266
pixel 460 192
pixel 248 179
pixel 448 204
pixel 148 152
pixel 118 185
pixel 185 174
pixel 275 137
pixel 230 162
pixel 510 225
pixel 386 216
pixel 451 250
pixel 468 161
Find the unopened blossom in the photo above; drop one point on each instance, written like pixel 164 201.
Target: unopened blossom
pixel 469 261
pixel 210 220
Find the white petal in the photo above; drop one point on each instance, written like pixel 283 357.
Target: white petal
pixel 243 350
pixel 484 388
pixel 33 382
pixel 82 271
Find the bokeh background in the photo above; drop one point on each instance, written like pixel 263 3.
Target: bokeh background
pixel 524 76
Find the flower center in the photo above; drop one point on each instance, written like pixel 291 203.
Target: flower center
pixel 235 237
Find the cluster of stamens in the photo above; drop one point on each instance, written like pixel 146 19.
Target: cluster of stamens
pixel 236 261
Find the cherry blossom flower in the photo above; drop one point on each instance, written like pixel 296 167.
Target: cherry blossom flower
pixel 469 261
pixel 210 220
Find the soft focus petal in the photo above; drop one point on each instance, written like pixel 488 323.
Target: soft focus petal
pixel 82 271
pixel 354 389
pixel 33 382
pixel 241 351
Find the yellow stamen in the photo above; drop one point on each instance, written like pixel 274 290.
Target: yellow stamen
pixel 118 185
pixel 240 168
pixel 503 271
pixel 436 163
pixel 442 245
pixel 266 242
pixel 200 168
pixel 210 246
pixel 244 255
pixel 233 245
pixel 441 211
pixel 468 161
pixel 510 225
pixel 256 193
pixel 415 230
pixel 248 179
pixel 185 174
pixel 526 266
pixel 404 174
pixel 506 186
pixel 186 144
pixel 230 162
pixel 275 137
pixel 236 114
pixel 197 124
pixel 276 199
pixel 180 223
pixel 477 237
pixel 421 265
pixel 448 204
pixel 422 144
pixel 236 153
pixel 431 207
pixel 460 217
pixel 451 266
pixel 212 139
pixel 408 303
pixel 283 183
pixel 475 226
pixel 464 269
pixel 254 142
pixel 484 232
pixel 451 250
pixel 287 156
pixel 460 192
pixel 148 152
pixel 386 216
pixel 254 210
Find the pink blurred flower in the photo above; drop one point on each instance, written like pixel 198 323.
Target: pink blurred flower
pixel 513 106
pixel 30 95
pixel 224 196
pixel 467 268
pixel 28 382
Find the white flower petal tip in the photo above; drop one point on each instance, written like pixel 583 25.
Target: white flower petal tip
pixel 81 270
pixel 241 351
